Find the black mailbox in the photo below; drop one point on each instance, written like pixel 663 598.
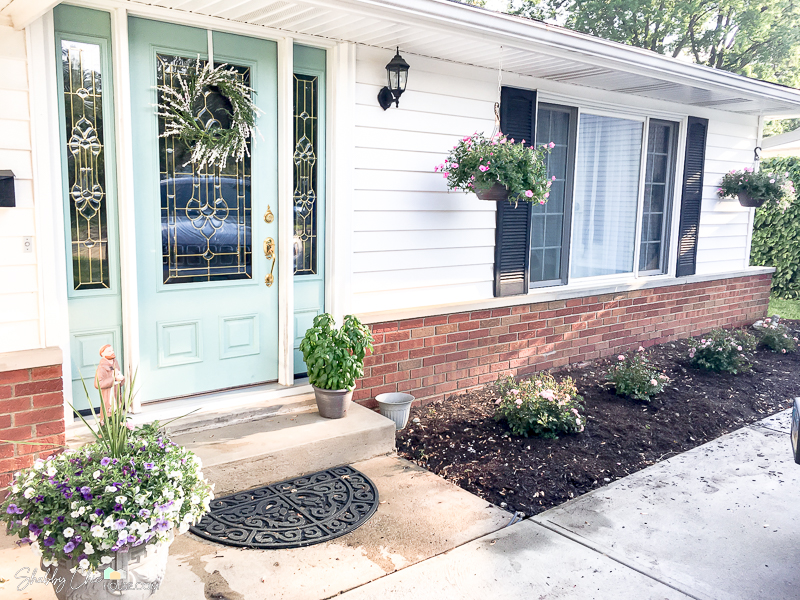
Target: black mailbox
pixel 7 196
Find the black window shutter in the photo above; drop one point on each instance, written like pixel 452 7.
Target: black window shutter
pixel 692 195
pixel 513 231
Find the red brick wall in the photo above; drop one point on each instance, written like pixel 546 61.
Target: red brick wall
pixel 31 410
pixel 434 357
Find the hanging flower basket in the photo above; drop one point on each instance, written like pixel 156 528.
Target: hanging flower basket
pixel 498 168
pixel 495 193
pixel 745 199
pixel 755 188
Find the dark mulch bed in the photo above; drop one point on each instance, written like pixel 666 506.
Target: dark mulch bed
pixel 460 440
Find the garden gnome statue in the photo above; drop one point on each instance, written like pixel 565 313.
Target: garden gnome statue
pixel 108 376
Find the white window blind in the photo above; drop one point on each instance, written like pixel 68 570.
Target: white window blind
pixel 606 195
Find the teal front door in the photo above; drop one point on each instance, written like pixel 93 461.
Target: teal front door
pixel 206 238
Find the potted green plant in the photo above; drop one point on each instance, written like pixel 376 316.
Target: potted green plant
pixel 335 360
pixel 754 188
pixel 102 518
pixel 498 168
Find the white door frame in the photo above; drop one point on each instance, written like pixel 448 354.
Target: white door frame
pixel 341 65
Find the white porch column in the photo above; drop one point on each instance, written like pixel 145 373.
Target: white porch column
pixel 340 176
pixel 285 212
pixel 47 196
pixel 125 200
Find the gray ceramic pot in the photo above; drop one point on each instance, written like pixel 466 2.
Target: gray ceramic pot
pixel 395 406
pixel 333 404
pixel 139 575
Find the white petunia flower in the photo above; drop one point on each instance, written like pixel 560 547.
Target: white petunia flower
pixel 29 493
pixel 88 549
pixel 96 474
pixel 106 559
pixel 68 532
pixel 84 564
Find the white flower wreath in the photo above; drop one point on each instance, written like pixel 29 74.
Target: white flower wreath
pixel 210 145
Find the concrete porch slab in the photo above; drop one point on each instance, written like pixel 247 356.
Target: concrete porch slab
pixel 420 516
pixel 524 561
pixel 250 454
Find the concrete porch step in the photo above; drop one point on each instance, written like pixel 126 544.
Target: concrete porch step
pixel 241 456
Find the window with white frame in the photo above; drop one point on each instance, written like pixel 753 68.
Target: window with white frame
pixel 615 201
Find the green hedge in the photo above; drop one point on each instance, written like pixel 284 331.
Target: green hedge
pixel 776 235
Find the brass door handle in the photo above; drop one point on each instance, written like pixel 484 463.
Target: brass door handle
pixel 269 252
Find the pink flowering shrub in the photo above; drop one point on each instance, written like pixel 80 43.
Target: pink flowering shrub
pixel 760 185
pixel 722 350
pixel 540 406
pixel 635 377
pixel 478 163
pixel 777 337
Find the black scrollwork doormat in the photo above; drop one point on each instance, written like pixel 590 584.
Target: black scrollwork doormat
pixel 293 513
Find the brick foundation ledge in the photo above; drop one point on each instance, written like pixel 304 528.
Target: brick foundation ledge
pixel 31 409
pixel 435 356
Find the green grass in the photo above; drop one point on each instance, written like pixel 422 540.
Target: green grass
pixel 787 309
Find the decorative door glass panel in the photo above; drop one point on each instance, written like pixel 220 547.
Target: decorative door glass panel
pixel 659 174
pixel 305 174
pixel 205 213
pixel 86 178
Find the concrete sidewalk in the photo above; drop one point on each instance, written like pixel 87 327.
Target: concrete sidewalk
pixel 719 522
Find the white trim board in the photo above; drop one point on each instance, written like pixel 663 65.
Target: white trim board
pixel 562 292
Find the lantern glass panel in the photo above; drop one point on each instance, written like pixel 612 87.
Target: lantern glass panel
pixel 403 78
pixel 392 79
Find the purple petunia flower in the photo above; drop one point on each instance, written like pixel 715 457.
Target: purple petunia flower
pixel 99 512
pixel 118 507
pixel 148 466
pixel 39 499
pixel 119 524
pixel 161 525
pixel 47 520
pixel 60 518
pixel 77 539
pixel 12 509
pixel 34 528
pixel 69 547
pixel 49 541
pixel 105 461
pixel 86 490
pixel 144 513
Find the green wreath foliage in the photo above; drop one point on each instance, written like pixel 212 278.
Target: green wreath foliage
pixel 776 234
pixel 210 145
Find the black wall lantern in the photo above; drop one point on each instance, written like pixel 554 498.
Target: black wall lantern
pixel 397 72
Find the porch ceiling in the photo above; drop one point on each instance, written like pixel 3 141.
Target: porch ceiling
pixel 463 34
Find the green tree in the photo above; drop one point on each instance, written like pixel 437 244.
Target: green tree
pixel 757 38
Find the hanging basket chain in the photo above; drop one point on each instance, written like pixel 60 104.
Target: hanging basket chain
pixel 210 144
pixel 499 96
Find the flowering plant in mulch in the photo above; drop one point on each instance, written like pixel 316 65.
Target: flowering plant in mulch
pixel 131 486
pixel 776 336
pixel 722 350
pixel 540 406
pixel 477 163
pixel 634 377
pixel 760 185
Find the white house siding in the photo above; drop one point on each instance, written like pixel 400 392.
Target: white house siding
pixel 19 300
pixel 724 224
pixel 415 244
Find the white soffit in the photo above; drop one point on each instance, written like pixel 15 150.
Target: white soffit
pixel 467 35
